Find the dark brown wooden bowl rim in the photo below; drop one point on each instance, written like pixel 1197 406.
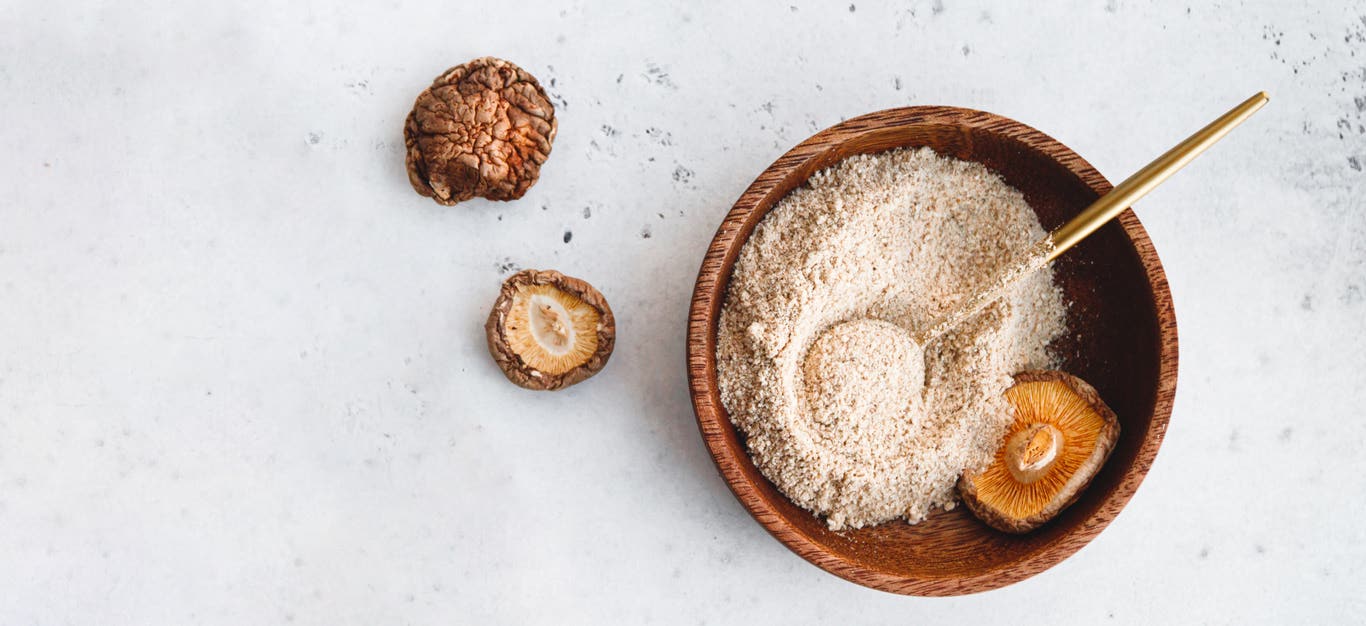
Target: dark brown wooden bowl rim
pixel 714 423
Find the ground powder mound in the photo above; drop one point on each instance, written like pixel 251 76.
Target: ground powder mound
pixel 816 360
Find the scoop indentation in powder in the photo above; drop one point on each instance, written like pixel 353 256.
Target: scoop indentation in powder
pixel 864 373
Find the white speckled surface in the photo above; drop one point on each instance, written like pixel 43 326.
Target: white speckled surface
pixel 243 379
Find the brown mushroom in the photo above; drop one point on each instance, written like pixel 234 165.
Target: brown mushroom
pixel 1062 434
pixel 482 129
pixel 548 331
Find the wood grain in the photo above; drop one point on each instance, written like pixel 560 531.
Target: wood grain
pixel 1122 340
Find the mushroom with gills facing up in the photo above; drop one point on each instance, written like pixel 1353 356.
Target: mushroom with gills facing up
pixel 1062 434
pixel 548 331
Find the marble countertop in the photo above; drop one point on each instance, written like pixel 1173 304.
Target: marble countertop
pixel 243 378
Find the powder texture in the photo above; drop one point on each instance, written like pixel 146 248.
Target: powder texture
pixel 816 359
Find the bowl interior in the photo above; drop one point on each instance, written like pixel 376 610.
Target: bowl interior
pixel 1121 338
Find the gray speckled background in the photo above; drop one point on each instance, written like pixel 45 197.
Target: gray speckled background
pixel 243 380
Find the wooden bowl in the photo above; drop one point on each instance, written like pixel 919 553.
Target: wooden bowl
pixel 1121 339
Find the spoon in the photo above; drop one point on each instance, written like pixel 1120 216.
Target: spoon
pixel 1104 209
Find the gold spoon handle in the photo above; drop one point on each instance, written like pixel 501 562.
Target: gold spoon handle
pixel 1101 211
pixel 1143 181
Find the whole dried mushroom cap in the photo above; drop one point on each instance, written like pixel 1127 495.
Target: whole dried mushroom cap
pixel 482 129
pixel 548 331
pixel 1062 434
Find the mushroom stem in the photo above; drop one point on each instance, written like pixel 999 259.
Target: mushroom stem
pixel 554 325
pixel 1032 451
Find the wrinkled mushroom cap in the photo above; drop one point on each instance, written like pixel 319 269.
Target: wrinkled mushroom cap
pixel 548 331
pixel 482 129
pixel 1062 434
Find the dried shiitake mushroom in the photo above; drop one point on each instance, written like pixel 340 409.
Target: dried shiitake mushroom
pixel 482 129
pixel 548 331
pixel 1061 435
